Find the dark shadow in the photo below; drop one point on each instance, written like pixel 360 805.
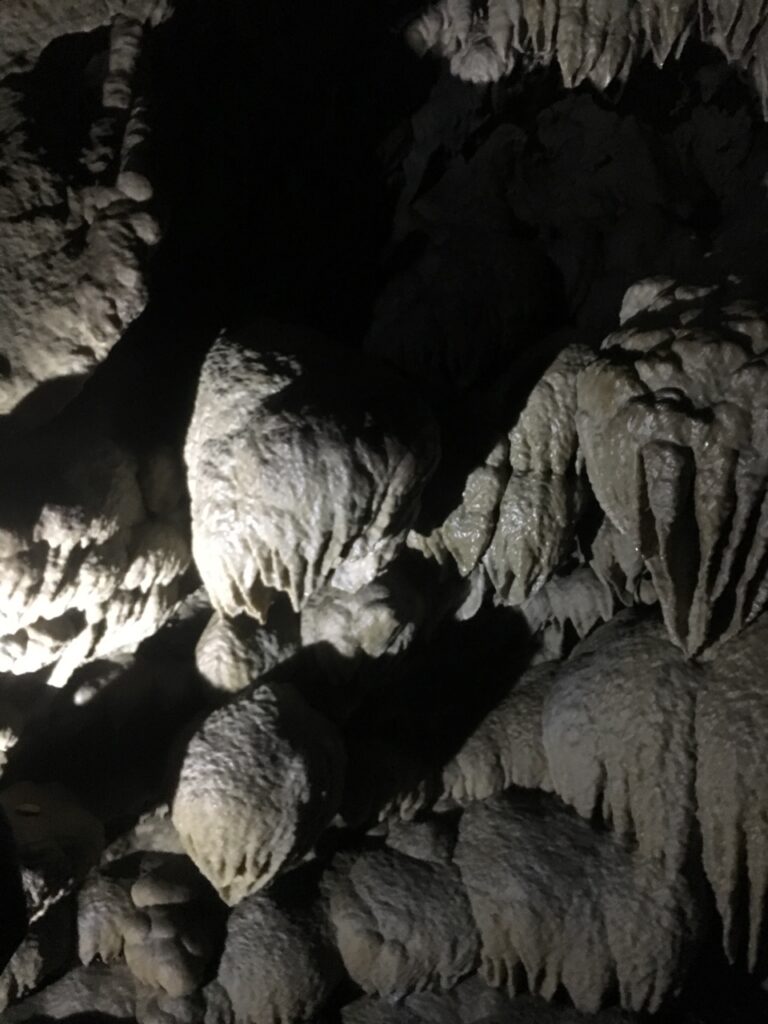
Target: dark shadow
pixel 407 729
pixel 13 919
pixel 114 751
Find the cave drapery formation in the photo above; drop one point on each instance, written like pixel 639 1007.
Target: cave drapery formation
pixel 384 520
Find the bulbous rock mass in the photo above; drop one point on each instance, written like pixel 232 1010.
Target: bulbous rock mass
pixel 305 468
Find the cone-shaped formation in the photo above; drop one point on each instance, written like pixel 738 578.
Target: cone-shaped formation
pixel 591 40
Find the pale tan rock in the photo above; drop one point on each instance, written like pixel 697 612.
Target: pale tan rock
pixel 92 559
pixel 518 510
pixel 473 1002
pixel 618 736
pixel 506 749
pixel 559 904
pixel 231 654
pixel 305 468
pixel 27 27
pixel 567 608
pixel 731 778
pixel 401 924
pixel 590 40
pixel 595 40
pixel 279 963
pixel 157 914
pixel 77 230
pixel 671 421
pixel 95 989
pixel 260 780
pixel 379 619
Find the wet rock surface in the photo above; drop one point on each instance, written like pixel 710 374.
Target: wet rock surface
pixel 384 517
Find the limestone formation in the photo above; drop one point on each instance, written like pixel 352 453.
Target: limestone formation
pixel 618 565
pixel 671 422
pixel 157 914
pixel 659 748
pixel 518 510
pixel 379 619
pixel 473 1002
pixel 559 904
pixel 506 749
pixel 431 839
pixel 264 403
pixel 29 27
pixel 93 552
pixel 260 781
pixel 618 736
pixel 111 993
pixel 731 712
pixel 153 832
pixel 77 226
pixel 401 924
pixel 232 654
pixel 97 990
pixel 470 1001
pixel 279 963
pixel 567 608
pixel 590 40
pixel 384 553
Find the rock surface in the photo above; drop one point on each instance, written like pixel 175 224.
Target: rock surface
pixel 672 425
pixel 279 962
pixel 259 782
pixel 77 224
pixel 401 924
pixel 93 551
pixel 392 533
pixel 263 404
pixel 559 904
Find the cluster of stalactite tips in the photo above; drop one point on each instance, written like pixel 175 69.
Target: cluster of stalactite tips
pixel 401 656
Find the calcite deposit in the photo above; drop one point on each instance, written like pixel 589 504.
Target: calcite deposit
pixel 291 491
pixel 383 512
pixel 75 200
